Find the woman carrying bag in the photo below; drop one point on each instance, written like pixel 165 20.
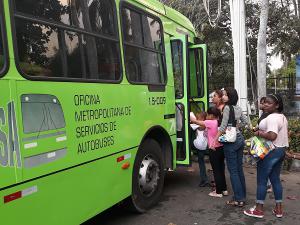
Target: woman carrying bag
pixel 272 128
pixel 234 147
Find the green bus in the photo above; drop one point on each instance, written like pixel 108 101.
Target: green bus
pixel 94 105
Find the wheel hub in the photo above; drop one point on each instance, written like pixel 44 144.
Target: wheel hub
pixel 148 175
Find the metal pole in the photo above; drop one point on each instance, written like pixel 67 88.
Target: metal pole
pixel 275 83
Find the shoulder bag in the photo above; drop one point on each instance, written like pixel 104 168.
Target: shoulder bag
pixel 230 133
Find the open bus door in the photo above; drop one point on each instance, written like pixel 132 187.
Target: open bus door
pixel 189 67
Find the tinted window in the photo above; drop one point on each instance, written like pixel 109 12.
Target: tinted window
pixel 144 54
pixel 39 50
pixel 196 73
pixel 152 33
pixel 93 15
pixel 101 16
pixel 176 47
pixel 73 57
pixel 57 52
pixel 108 59
pixel 132 27
pixel 1 41
pixel 57 10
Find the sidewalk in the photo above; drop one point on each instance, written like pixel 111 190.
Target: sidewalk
pixel 234 215
pixel 184 203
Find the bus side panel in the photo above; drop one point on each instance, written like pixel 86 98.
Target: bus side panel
pixel 71 196
pixel 7 159
pixel 75 169
pixel 65 124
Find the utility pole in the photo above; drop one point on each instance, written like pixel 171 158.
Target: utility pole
pixel 275 83
pixel 237 13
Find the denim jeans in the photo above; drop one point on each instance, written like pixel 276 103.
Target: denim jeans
pixel 270 168
pixel 202 167
pixel 234 160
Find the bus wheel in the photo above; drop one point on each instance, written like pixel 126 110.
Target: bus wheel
pixel 148 176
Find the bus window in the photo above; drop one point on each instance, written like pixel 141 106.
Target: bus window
pixel 144 54
pixel 176 47
pixel 56 11
pixel 76 40
pixel 196 73
pixel 1 43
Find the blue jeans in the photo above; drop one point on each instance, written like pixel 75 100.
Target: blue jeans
pixel 202 167
pixel 269 168
pixel 234 160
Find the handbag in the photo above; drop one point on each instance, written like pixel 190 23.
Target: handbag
pixel 230 133
pixel 260 147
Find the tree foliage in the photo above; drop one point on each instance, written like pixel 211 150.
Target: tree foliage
pixel 284 29
pixel 217 38
pixel 282 34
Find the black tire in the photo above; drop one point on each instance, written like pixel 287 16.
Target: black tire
pixel 148 164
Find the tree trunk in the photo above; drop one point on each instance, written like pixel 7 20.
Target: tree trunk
pixel 262 49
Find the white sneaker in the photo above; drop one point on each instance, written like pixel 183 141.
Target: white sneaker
pixel 225 193
pixel 214 194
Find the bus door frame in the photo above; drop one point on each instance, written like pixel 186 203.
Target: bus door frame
pixel 185 102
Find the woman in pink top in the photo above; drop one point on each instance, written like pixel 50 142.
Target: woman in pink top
pixel 216 153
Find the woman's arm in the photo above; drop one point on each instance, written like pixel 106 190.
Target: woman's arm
pixel 244 120
pixel 224 123
pixel 225 119
pixel 199 122
pixel 272 128
pixel 267 135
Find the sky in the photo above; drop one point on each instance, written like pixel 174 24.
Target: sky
pixel 275 62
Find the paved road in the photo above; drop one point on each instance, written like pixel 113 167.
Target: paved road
pixel 184 203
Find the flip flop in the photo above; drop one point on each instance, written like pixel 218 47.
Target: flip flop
pixel 235 203
pixel 232 203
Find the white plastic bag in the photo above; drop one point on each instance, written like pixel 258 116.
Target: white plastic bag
pixel 229 136
pixel 201 140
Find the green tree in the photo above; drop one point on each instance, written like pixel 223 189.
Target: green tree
pixel 217 38
pixel 284 30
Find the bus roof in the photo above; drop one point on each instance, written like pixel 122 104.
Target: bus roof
pixel 179 18
pixel 172 14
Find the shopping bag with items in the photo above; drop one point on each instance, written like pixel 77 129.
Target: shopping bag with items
pixel 260 147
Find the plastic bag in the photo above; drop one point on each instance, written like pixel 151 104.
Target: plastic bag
pixel 260 147
pixel 229 136
pixel 201 140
